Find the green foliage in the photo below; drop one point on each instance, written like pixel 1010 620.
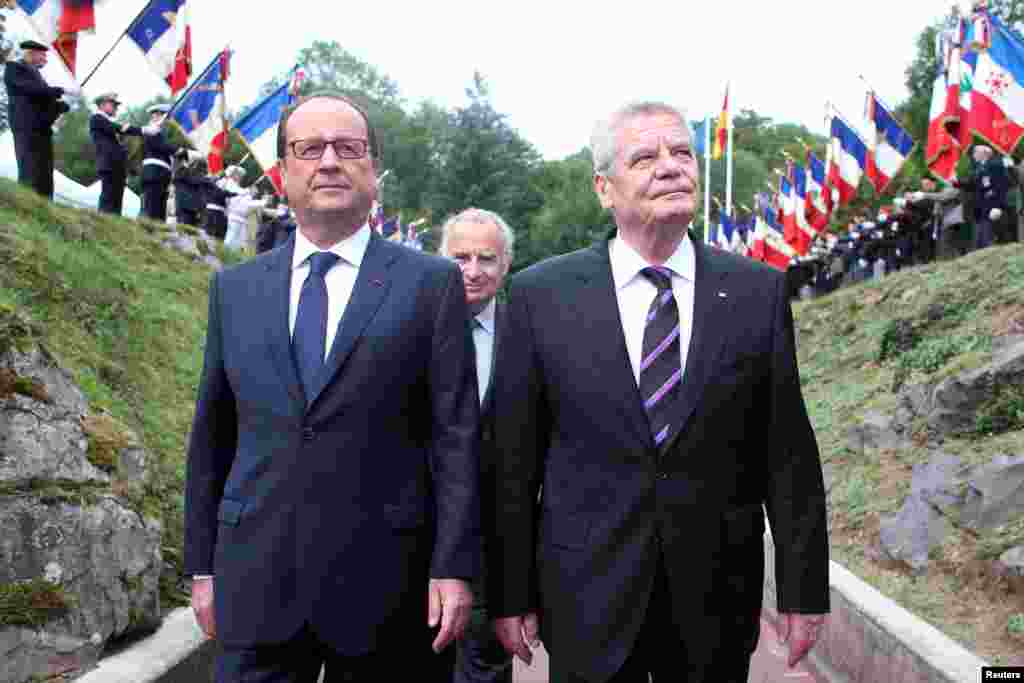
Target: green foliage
pixel 855 499
pixel 899 337
pixel 1004 413
pixel 1015 624
pixel 31 603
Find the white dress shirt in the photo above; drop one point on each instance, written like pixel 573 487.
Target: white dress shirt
pixel 340 279
pixel 635 294
pixel 483 341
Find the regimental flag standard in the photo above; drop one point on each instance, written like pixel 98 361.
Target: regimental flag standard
pixel 889 145
pixel 848 160
pixel 997 97
pixel 722 130
pixel 162 32
pixel 58 23
pixel 259 129
pixel 725 231
pixel 200 112
pixel 944 146
pixel 819 193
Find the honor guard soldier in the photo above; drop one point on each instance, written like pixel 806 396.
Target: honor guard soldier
pixel 111 155
pixel 32 108
pixel 156 165
pixel 216 207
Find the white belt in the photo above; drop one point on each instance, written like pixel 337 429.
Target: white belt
pixel 215 207
pixel 156 162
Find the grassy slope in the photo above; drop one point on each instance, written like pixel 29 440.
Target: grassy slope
pixel 124 315
pixel 957 309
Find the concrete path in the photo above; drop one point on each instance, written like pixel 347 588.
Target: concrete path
pixel 768 664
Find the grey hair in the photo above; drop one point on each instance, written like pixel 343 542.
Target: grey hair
pixel 603 139
pixel 483 217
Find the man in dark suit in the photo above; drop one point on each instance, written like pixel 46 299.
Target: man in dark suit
pixel 111 155
pixel 989 184
pixel 481 242
pixel 332 512
pixel 157 156
pixel 648 387
pixel 32 108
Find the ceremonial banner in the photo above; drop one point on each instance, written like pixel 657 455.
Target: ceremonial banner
pixel 769 243
pixel 889 145
pixel 200 112
pixel 997 95
pixel 162 32
pixel 849 157
pixel 258 127
pixel 58 22
pixel 723 127
pixel 697 137
pixel 819 193
pixel 804 234
pixel 943 149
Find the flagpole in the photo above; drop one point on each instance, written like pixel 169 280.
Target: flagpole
pixel 116 43
pixel 199 79
pixel 728 157
pixel 707 178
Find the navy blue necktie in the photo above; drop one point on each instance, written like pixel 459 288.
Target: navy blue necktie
pixel 310 336
pixel 661 368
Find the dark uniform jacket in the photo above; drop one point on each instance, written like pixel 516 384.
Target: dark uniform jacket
pixel 32 105
pixel 990 184
pixel 156 147
pixel 111 155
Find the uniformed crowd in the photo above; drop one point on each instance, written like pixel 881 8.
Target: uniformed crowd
pixel 928 224
pixel 216 202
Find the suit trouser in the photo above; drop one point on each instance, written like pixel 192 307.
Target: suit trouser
pixel 660 655
pixel 33 151
pixel 984 234
pixel 112 190
pixel 300 660
pixel 154 200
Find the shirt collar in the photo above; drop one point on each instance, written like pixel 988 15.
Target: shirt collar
pixel 351 249
pixel 107 116
pixel 627 263
pixel 486 317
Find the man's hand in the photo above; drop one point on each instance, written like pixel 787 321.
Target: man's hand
pixel 518 634
pixel 801 632
pixel 995 214
pixel 202 605
pixel 449 602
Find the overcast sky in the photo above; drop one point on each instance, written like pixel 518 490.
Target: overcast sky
pixel 556 66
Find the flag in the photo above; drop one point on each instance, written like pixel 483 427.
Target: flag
pixel 57 23
pixel 697 135
pixel 389 228
pixel 769 244
pixel 162 32
pixel 725 231
pixel 944 148
pixel 997 95
pixel 819 199
pixel 258 127
pixel 412 237
pixel 889 145
pixel 721 132
pixel 849 157
pixel 804 233
pixel 200 112
pixel 376 219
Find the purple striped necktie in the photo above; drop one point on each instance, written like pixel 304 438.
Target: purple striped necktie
pixel 661 369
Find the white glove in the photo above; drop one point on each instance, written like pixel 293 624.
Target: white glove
pixel 917 196
pixel 72 91
pixel 895 226
pixel 863 263
pixel 151 130
pixel 995 214
pixel 194 156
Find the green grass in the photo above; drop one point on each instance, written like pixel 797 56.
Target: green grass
pixel 125 316
pixel 31 603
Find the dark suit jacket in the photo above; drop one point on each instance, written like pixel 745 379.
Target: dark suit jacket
pixel 32 105
pixel 157 147
pixel 569 417
pixel 335 508
pixel 110 153
pixel 990 183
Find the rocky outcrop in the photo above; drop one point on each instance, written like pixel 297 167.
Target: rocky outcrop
pixel 193 242
pixel 876 431
pixel 79 564
pixel 1010 566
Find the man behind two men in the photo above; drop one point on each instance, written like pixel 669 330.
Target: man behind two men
pixel 632 394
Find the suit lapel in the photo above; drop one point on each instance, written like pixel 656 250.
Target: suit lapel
pixel 279 269
pixel 707 338
pixel 599 307
pixel 489 392
pixel 372 285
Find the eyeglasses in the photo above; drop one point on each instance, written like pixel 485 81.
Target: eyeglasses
pixel 344 148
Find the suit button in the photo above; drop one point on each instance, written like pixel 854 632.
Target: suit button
pixel 308 434
pixel 663 476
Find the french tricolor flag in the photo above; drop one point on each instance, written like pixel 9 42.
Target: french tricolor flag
pixel 849 158
pixel 769 243
pixel 201 112
pixel 804 233
pixel 725 231
pixel 819 199
pixel 162 32
pixel 890 145
pixel 258 127
pixel 58 23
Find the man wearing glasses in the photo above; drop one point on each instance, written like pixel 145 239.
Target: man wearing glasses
pixel 331 508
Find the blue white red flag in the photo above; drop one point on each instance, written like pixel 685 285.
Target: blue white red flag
pixel 58 22
pixel 200 112
pixel 803 234
pixel 997 92
pixel 163 34
pixel 258 127
pixel 819 194
pixel 849 158
pixel 725 231
pixel 889 145
pixel 389 228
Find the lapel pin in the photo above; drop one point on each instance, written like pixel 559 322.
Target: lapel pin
pixel 377 283
pixel 723 295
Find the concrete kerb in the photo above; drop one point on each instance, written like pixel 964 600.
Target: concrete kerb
pixel 871 638
pixel 177 652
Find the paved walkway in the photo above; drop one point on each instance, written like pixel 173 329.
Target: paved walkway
pixel 768 664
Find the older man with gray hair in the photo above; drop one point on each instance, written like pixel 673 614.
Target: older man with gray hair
pixel 481 242
pixel 647 388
